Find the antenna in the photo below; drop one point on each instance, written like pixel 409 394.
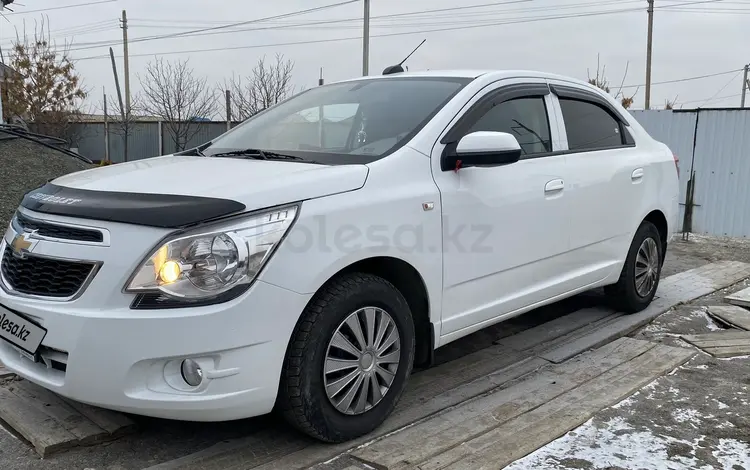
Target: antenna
pixel 398 67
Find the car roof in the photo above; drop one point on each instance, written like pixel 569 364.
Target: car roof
pixel 474 73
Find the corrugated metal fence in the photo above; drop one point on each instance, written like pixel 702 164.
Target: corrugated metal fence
pixel 714 150
pixel 146 139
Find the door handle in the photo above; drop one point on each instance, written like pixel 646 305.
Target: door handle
pixel 637 174
pixel 554 186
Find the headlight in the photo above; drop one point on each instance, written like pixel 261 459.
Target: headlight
pixel 217 258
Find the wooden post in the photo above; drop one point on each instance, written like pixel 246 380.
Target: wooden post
pixel 229 110
pixel 106 129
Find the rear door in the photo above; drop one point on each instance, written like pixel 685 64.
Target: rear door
pixel 605 183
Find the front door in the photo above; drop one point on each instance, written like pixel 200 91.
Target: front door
pixel 504 227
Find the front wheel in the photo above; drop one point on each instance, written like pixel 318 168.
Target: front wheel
pixel 349 358
pixel 640 275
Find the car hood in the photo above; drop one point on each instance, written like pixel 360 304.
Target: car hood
pixel 175 191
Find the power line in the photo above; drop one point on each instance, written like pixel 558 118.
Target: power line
pixel 453 28
pixel 220 29
pixel 62 7
pixel 724 87
pixel 242 23
pixel 724 11
pixel 451 15
pixel 88 28
pixel 423 14
pixel 214 29
pixel 687 79
pixel 716 98
pixel 405 33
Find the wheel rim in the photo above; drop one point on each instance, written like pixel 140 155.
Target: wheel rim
pixel 646 267
pixel 361 360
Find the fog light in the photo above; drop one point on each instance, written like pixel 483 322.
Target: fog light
pixel 192 373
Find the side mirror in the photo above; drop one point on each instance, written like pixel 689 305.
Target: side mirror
pixel 482 148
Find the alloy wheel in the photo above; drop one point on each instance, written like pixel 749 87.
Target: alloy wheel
pixel 646 267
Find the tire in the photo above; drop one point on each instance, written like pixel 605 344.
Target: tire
pixel 629 295
pixel 303 397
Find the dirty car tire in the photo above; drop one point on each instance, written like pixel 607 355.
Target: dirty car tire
pixel 302 393
pixel 624 295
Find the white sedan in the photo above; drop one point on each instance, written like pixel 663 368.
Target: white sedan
pixel 306 260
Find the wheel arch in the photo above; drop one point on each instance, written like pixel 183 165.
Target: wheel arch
pixel 410 283
pixel 659 220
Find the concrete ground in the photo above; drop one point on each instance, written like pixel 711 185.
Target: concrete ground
pixel 650 411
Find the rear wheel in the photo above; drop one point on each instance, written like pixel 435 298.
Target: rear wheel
pixel 640 275
pixel 349 359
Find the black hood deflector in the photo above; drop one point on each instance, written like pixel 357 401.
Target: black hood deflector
pixel 153 210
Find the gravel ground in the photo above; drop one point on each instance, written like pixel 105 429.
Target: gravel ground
pixel 695 418
pixel 26 165
pixel 701 249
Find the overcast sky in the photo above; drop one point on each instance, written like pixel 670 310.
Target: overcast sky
pixel 691 38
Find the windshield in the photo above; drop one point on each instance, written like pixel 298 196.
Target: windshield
pixel 352 122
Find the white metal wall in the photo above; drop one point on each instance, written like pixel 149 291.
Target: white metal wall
pixel 717 149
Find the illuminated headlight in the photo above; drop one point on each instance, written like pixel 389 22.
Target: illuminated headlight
pixel 213 259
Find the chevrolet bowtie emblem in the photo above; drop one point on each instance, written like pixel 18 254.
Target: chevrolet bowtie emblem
pixel 22 244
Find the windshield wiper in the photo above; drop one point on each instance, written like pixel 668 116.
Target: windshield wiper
pixel 257 154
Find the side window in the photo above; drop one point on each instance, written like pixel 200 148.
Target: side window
pixel 524 118
pixel 589 126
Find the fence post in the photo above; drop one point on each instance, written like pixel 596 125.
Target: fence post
pixel 161 138
pixel 106 130
pixel 229 111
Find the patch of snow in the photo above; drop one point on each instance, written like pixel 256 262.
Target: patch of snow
pixel 701 367
pixel 732 453
pixel 626 402
pixel 656 327
pixel 8 432
pixel 721 405
pixel 733 358
pixel 687 416
pixel 618 445
pixel 710 323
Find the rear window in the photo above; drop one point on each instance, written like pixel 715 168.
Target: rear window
pixel 589 126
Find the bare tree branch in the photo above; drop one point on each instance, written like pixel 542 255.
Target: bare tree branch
pixel 267 85
pixel 600 81
pixel 172 92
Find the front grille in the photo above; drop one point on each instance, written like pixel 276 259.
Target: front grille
pixel 62 232
pixel 44 277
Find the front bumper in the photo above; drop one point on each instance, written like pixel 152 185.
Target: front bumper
pixel 101 352
pixel 129 360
